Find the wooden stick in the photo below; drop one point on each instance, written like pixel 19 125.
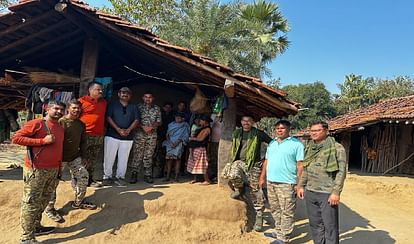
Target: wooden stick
pixel 405 160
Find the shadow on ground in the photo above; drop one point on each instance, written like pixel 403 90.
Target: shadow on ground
pixel 115 211
pixel 353 228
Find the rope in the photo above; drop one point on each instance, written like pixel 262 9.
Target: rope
pixel 171 81
pixel 395 166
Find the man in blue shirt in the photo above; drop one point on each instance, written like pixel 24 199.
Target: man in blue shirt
pixel 122 118
pixel 283 169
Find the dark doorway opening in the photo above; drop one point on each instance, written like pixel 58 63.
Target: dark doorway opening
pixel 355 157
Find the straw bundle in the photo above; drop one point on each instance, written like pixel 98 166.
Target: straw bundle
pixel 51 77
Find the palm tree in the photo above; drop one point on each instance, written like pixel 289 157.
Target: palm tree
pixel 262 30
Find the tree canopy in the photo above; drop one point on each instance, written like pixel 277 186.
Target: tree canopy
pixel 244 36
pixel 316 103
pixel 357 92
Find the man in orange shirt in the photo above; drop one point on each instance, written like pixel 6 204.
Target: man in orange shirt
pixel 93 116
pixel 44 139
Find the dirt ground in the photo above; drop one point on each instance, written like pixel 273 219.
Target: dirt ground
pixel 374 209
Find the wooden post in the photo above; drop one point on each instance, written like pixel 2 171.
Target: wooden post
pixel 89 64
pixel 229 121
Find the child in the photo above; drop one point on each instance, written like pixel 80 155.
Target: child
pixel 177 137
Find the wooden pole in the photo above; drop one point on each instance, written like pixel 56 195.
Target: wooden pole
pixel 229 120
pixel 89 64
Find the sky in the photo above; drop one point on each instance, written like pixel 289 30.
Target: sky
pixel 330 39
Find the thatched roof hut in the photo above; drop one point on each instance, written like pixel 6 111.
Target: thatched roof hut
pixel 66 43
pixel 379 138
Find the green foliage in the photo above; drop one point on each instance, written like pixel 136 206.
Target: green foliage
pixel 148 13
pixel 274 83
pixel 316 103
pixel 357 92
pixel 243 36
pixel 400 86
pixel 4 4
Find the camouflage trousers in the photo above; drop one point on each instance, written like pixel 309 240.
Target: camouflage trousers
pixel 282 201
pixel 238 176
pixel 94 154
pixel 142 152
pixel 80 178
pixel 38 186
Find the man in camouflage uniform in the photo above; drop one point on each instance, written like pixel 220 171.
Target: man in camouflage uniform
pixel 324 172
pixel 44 139
pixel 93 116
pixel 74 157
pixel 145 139
pixel 244 168
pixel 282 169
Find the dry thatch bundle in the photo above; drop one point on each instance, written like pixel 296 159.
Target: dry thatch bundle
pixel 40 77
pixel 198 103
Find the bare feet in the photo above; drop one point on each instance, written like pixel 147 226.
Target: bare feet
pixel 205 183
pixel 193 181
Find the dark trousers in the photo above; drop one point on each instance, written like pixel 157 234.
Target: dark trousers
pixel 323 218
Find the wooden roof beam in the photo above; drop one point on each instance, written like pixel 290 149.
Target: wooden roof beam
pixel 34 35
pixel 50 54
pixel 26 23
pixel 88 28
pixel 41 46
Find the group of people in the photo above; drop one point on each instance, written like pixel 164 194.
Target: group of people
pixel 314 171
pixel 75 139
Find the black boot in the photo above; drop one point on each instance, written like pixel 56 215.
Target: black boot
pixel 148 179
pixel 134 177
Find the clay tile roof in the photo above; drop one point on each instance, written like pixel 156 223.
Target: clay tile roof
pixel 256 82
pixel 401 108
pixel 128 29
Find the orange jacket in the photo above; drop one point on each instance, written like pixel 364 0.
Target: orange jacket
pixel 93 115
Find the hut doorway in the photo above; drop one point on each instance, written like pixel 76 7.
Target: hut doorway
pixel 355 157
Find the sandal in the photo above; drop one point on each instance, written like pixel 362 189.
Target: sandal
pixel 53 215
pixel 84 205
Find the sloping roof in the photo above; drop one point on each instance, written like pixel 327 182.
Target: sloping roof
pixel 401 109
pixel 34 31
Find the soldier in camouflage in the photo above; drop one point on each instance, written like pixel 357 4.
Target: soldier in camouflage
pixel 322 182
pixel 282 169
pixel 145 139
pixel 244 168
pixel 44 139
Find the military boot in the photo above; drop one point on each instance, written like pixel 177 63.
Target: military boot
pixel 148 179
pixel 134 177
pixel 258 224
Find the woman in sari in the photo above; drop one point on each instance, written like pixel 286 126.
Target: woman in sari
pixel 177 137
pixel 197 160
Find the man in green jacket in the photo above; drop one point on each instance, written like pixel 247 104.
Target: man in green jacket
pixel 244 167
pixel 324 171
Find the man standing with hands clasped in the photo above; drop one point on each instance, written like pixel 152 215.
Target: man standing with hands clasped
pixel 122 118
pixel 322 182
pixel 145 139
pixel 283 169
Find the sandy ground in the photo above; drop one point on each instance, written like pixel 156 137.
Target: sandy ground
pixel 374 209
